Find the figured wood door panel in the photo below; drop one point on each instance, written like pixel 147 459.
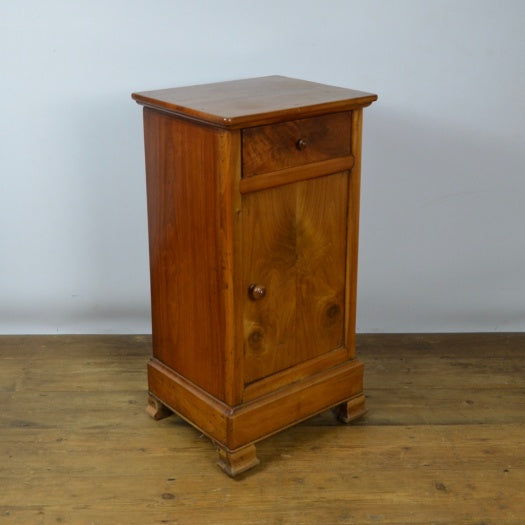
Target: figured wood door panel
pixel 294 245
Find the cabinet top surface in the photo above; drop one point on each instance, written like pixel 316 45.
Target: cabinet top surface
pixel 254 101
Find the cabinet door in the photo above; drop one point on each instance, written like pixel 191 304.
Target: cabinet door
pixel 294 246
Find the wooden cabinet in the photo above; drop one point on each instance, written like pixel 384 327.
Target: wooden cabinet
pixel 253 209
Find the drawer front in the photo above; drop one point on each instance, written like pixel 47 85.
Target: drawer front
pixel 295 143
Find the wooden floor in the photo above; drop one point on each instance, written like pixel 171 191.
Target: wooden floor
pixel 443 441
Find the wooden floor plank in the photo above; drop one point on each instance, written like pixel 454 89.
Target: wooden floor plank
pixel 365 468
pixel 442 442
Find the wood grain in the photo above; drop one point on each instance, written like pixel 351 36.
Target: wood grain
pixel 442 441
pixel 234 428
pixel 281 177
pixel 275 147
pixel 235 463
pixel 352 247
pixel 280 379
pixel 188 401
pixel 189 239
pixel 254 101
pixel 295 245
pixel 216 239
pixel 299 401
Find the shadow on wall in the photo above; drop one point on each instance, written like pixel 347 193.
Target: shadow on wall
pixel 114 259
pixel 440 247
pixel 90 270
pixel 441 217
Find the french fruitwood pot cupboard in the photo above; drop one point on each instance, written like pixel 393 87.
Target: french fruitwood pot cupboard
pixel 253 211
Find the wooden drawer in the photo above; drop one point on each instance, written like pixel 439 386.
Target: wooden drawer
pixel 295 143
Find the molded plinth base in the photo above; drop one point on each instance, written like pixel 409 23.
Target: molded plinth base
pixel 236 428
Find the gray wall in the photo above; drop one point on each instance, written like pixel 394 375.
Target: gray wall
pixel 442 244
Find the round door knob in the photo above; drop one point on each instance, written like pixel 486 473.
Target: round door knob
pixel 256 292
pixel 301 144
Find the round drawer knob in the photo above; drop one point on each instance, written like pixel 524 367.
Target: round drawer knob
pixel 301 144
pixel 256 292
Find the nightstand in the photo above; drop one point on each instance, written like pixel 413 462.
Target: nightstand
pixel 253 212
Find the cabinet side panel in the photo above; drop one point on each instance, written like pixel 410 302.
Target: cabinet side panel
pixel 185 265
